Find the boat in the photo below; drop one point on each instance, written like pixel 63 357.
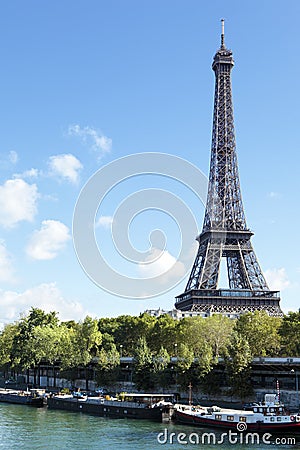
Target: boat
pixel 28 397
pixel 157 407
pixel 269 416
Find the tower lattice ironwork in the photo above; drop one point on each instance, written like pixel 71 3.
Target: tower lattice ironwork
pixel 225 232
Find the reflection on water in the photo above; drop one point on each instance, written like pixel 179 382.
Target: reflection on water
pixel 23 427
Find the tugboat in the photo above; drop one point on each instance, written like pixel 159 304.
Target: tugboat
pixel 157 407
pixel 269 416
pixel 29 398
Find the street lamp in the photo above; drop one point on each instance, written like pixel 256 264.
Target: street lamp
pixel 190 393
pixel 175 347
pixel 297 387
pixel 121 348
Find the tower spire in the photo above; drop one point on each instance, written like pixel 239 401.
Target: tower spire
pixel 222 34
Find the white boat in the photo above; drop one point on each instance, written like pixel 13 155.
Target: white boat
pixel 271 415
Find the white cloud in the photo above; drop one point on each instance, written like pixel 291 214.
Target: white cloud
pixel 13 157
pixel 161 263
pixel 277 279
pixel 8 159
pixel 6 267
pixel 31 173
pixel 274 195
pixel 104 221
pixel 65 166
pixel 89 136
pixel 48 241
pixel 18 202
pixel 45 296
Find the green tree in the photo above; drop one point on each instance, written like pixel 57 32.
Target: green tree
pixel 108 365
pixel 108 325
pixel 185 358
pixel 85 340
pixel 204 360
pixel 164 334
pixel 56 343
pixel 211 333
pixel 24 352
pixel 161 360
pixel 125 334
pixel 289 332
pixel 238 366
pixel 7 337
pixel 159 367
pixel 52 344
pixel 261 332
pixel 193 332
pixel 190 331
pixel 145 325
pixel 218 330
pixel 143 364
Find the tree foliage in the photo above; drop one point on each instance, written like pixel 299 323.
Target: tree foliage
pixel 24 351
pixel 289 332
pixel 261 332
pixel 143 365
pixel 238 365
pixel 108 364
pixel 165 351
pixel 86 340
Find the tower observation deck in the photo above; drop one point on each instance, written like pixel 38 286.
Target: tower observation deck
pixel 225 232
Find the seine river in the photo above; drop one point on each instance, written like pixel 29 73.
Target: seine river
pixel 23 427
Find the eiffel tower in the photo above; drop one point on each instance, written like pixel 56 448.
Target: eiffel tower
pixel 225 232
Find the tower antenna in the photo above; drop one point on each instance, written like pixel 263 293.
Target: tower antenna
pixel 222 34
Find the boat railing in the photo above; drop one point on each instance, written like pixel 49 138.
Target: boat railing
pixel 97 400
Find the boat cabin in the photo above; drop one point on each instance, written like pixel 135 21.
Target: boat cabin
pixel 270 407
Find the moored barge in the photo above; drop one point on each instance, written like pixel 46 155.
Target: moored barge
pixel 269 416
pixel 156 407
pixel 29 398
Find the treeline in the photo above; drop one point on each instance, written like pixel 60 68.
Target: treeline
pixel 195 345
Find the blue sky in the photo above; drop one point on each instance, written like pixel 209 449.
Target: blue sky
pixel 85 83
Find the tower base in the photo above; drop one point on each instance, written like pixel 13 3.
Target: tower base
pixel 229 302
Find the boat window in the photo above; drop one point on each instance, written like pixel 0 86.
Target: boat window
pixel 272 419
pixel 278 419
pixel 218 417
pixel 242 419
pixel 231 418
pixel 261 410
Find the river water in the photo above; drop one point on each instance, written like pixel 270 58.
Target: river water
pixel 23 427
